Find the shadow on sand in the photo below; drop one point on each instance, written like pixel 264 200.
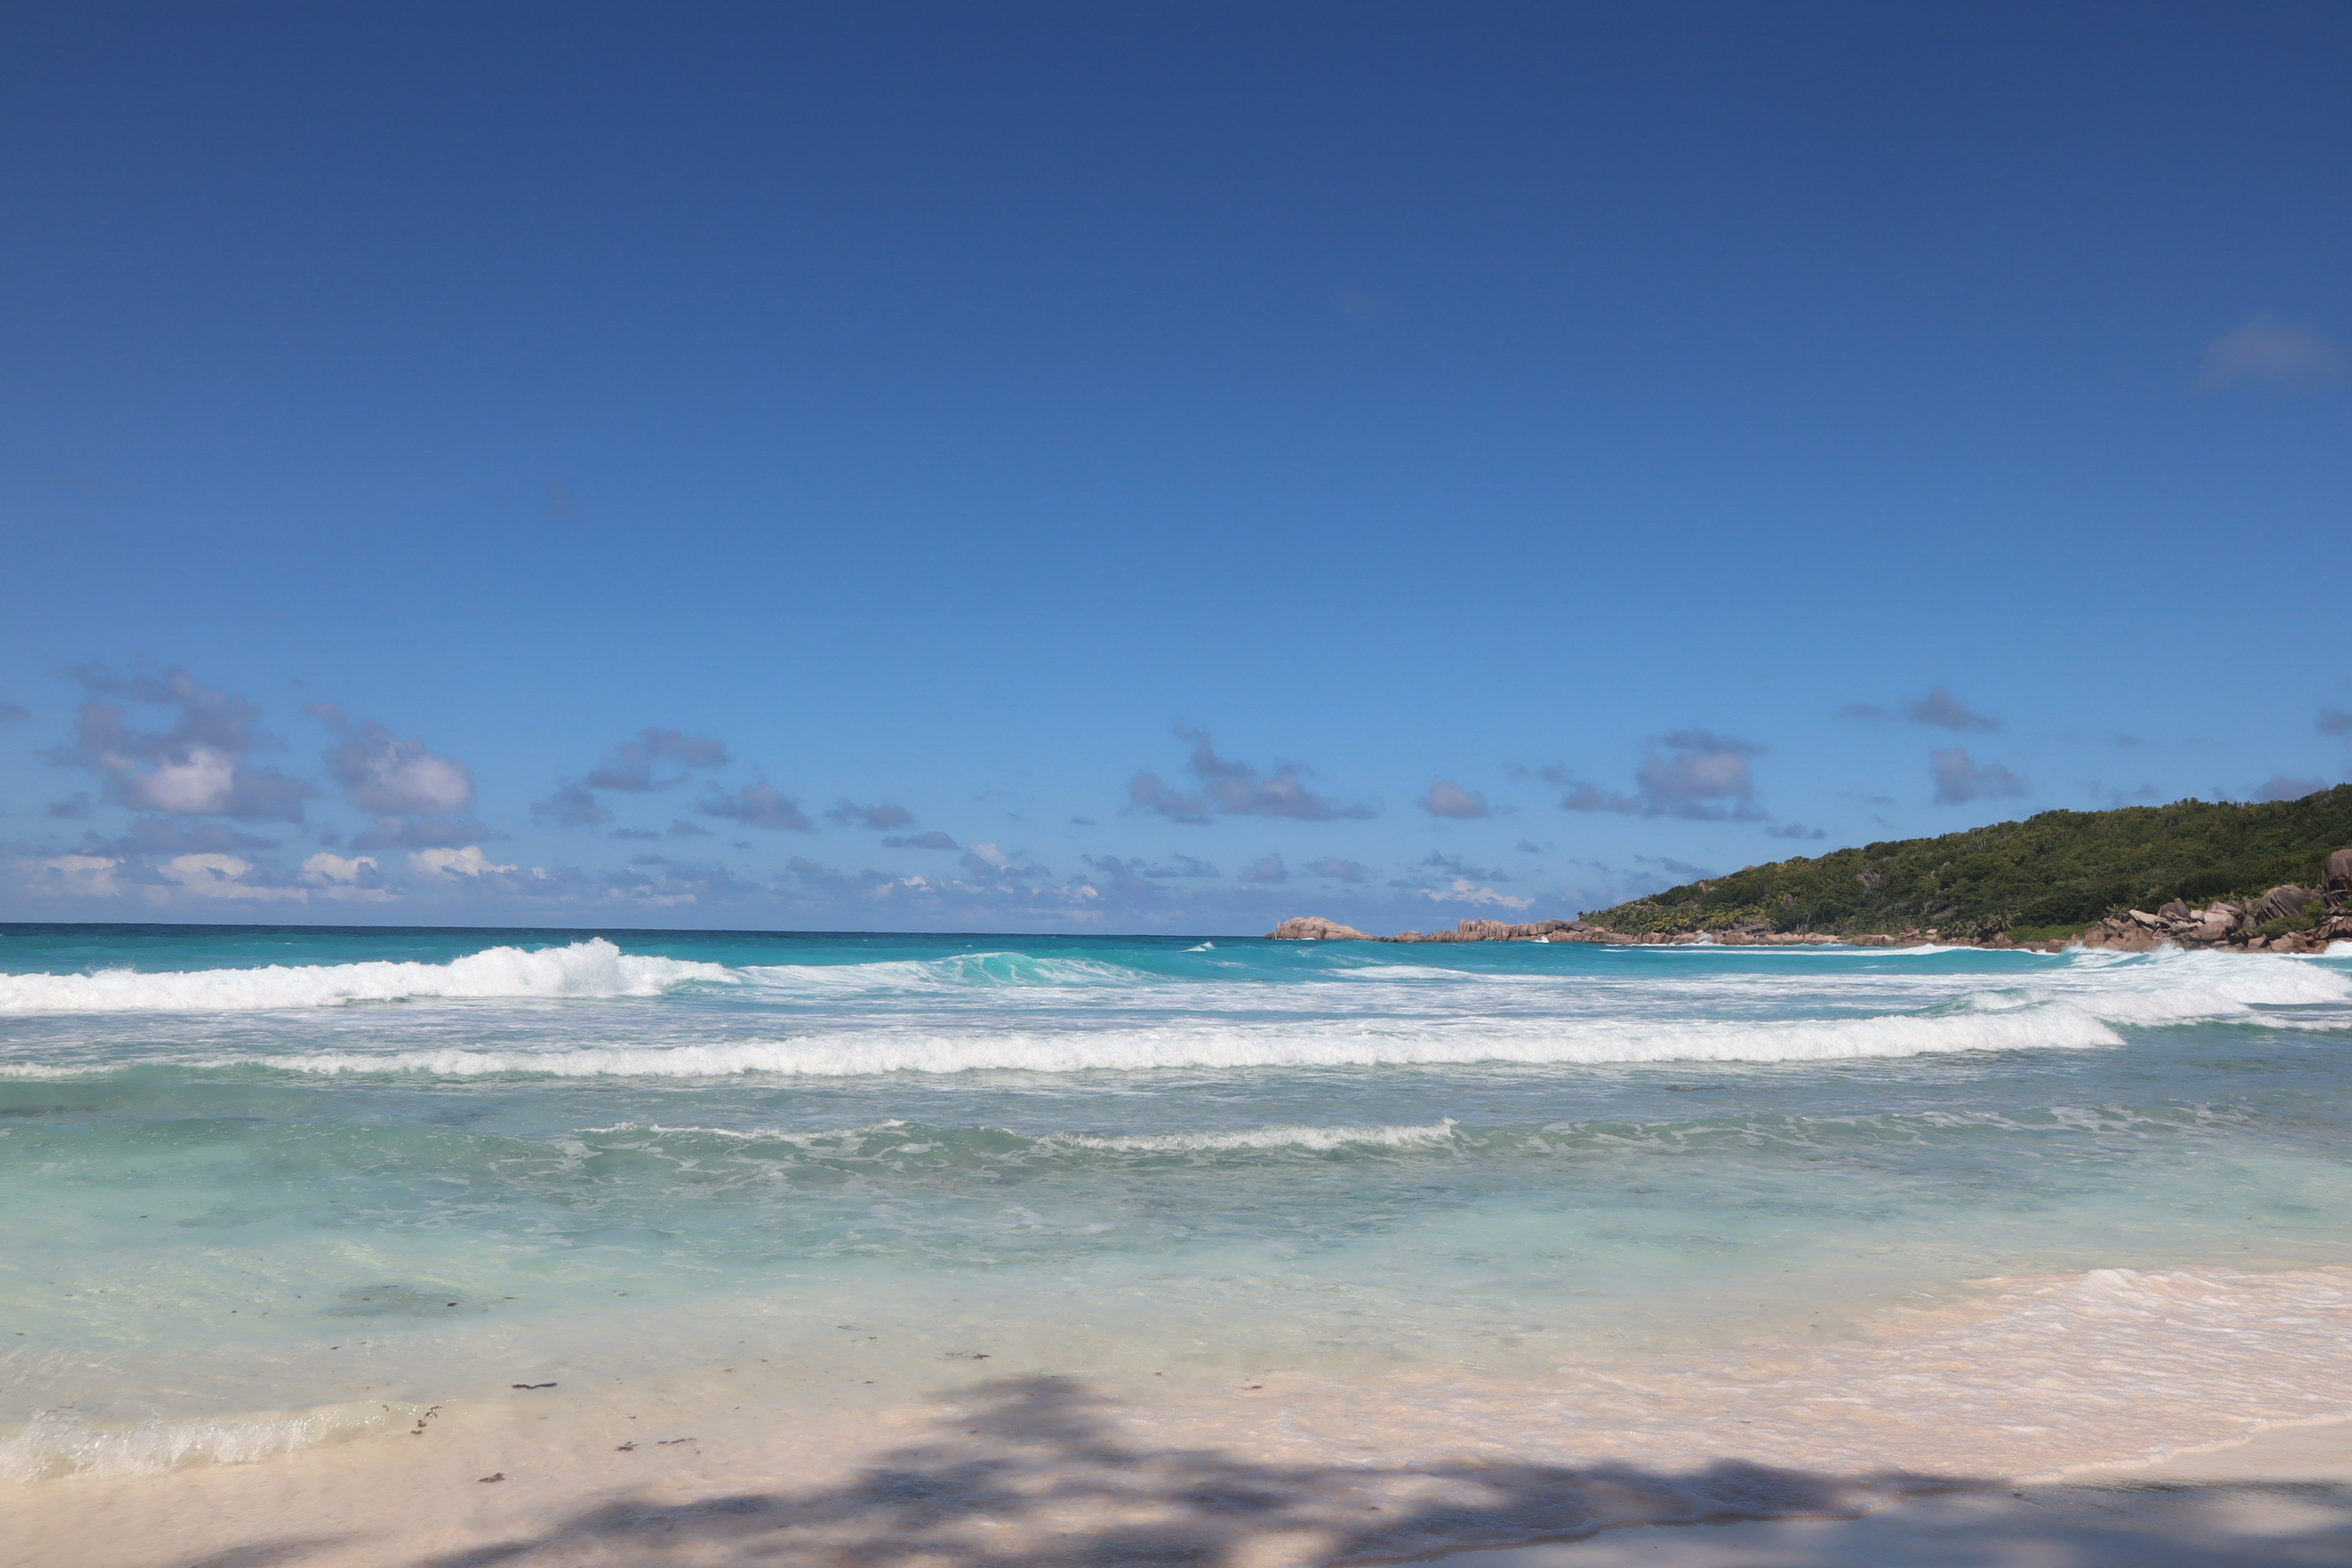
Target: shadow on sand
pixel 1032 1475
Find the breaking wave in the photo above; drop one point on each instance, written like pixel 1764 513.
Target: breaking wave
pixel 1303 1044
pixel 594 968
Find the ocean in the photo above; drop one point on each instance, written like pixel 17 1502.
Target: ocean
pixel 1902 1214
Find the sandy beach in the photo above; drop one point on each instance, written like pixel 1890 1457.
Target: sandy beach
pixel 2282 1500
pixel 1028 1471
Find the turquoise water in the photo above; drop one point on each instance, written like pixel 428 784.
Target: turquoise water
pixel 251 1173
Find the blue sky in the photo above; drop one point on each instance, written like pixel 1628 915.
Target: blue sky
pixel 1146 469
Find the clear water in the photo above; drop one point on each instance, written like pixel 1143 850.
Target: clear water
pixel 248 1176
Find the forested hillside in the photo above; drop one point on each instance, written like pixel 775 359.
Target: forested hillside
pixel 2048 876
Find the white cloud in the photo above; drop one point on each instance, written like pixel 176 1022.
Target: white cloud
pixel 197 766
pixel 216 877
pixel 325 868
pixel 388 776
pixel 1465 892
pixel 83 876
pixel 202 781
pixel 468 861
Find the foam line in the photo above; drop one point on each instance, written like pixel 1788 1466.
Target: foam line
pixel 1532 1043
pixel 594 968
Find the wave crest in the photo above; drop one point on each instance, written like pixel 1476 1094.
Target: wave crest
pixel 594 968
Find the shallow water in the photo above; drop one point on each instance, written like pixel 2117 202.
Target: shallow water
pixel 265 1187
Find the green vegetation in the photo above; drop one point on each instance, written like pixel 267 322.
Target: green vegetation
pixel 2047 876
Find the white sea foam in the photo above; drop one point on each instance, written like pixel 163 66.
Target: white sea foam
pixel 1275 1137
pixel 60 1443
pixel 594 968
pixel 1532 1042
pixel 2173 986
pixel 963 970
pixel 1287 1137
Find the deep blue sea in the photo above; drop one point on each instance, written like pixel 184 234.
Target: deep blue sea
pixel 254 1181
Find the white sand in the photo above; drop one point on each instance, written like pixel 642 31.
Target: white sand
pixel 1040 1473
pixel 2283 1500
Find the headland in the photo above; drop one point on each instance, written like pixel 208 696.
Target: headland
pixel 2274 877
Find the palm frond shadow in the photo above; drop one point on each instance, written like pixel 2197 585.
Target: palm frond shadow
pixel 1032 1475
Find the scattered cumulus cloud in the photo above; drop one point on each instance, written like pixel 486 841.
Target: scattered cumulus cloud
pixel 1939 708
pixel 77 876
pixel 1269 869
pixel 73 807
pixel 991 864
pixel 632 765
pixel 423 833
pixel 468 861
pixel 2335 721
pixel 572 805
pixel 1452 865
pixel 1703 777
pixel 934 839
pixel 1462 890
pixel 385 775
pixel 1230 788
pixel 758 805
pixel 2266 351
pixel 1794 830
pixel 1337 870
pixel 1182 866
pixel 178 836
pixel 327 870
pixel 880 819
pixel 1960 778
pixel 222 877
pixel 2283 786
pixel 11 713
pixel 1446 798
pixel 197 766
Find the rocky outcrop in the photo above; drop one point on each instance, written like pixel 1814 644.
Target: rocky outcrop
pixel 2281 904
pixel 2282 921
pixel 2337 883
pixel 1315 928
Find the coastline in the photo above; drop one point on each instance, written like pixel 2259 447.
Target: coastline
pixel 2220 929
pixel 2282 1496
pixel 1914 1432
pixel 2283 1499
